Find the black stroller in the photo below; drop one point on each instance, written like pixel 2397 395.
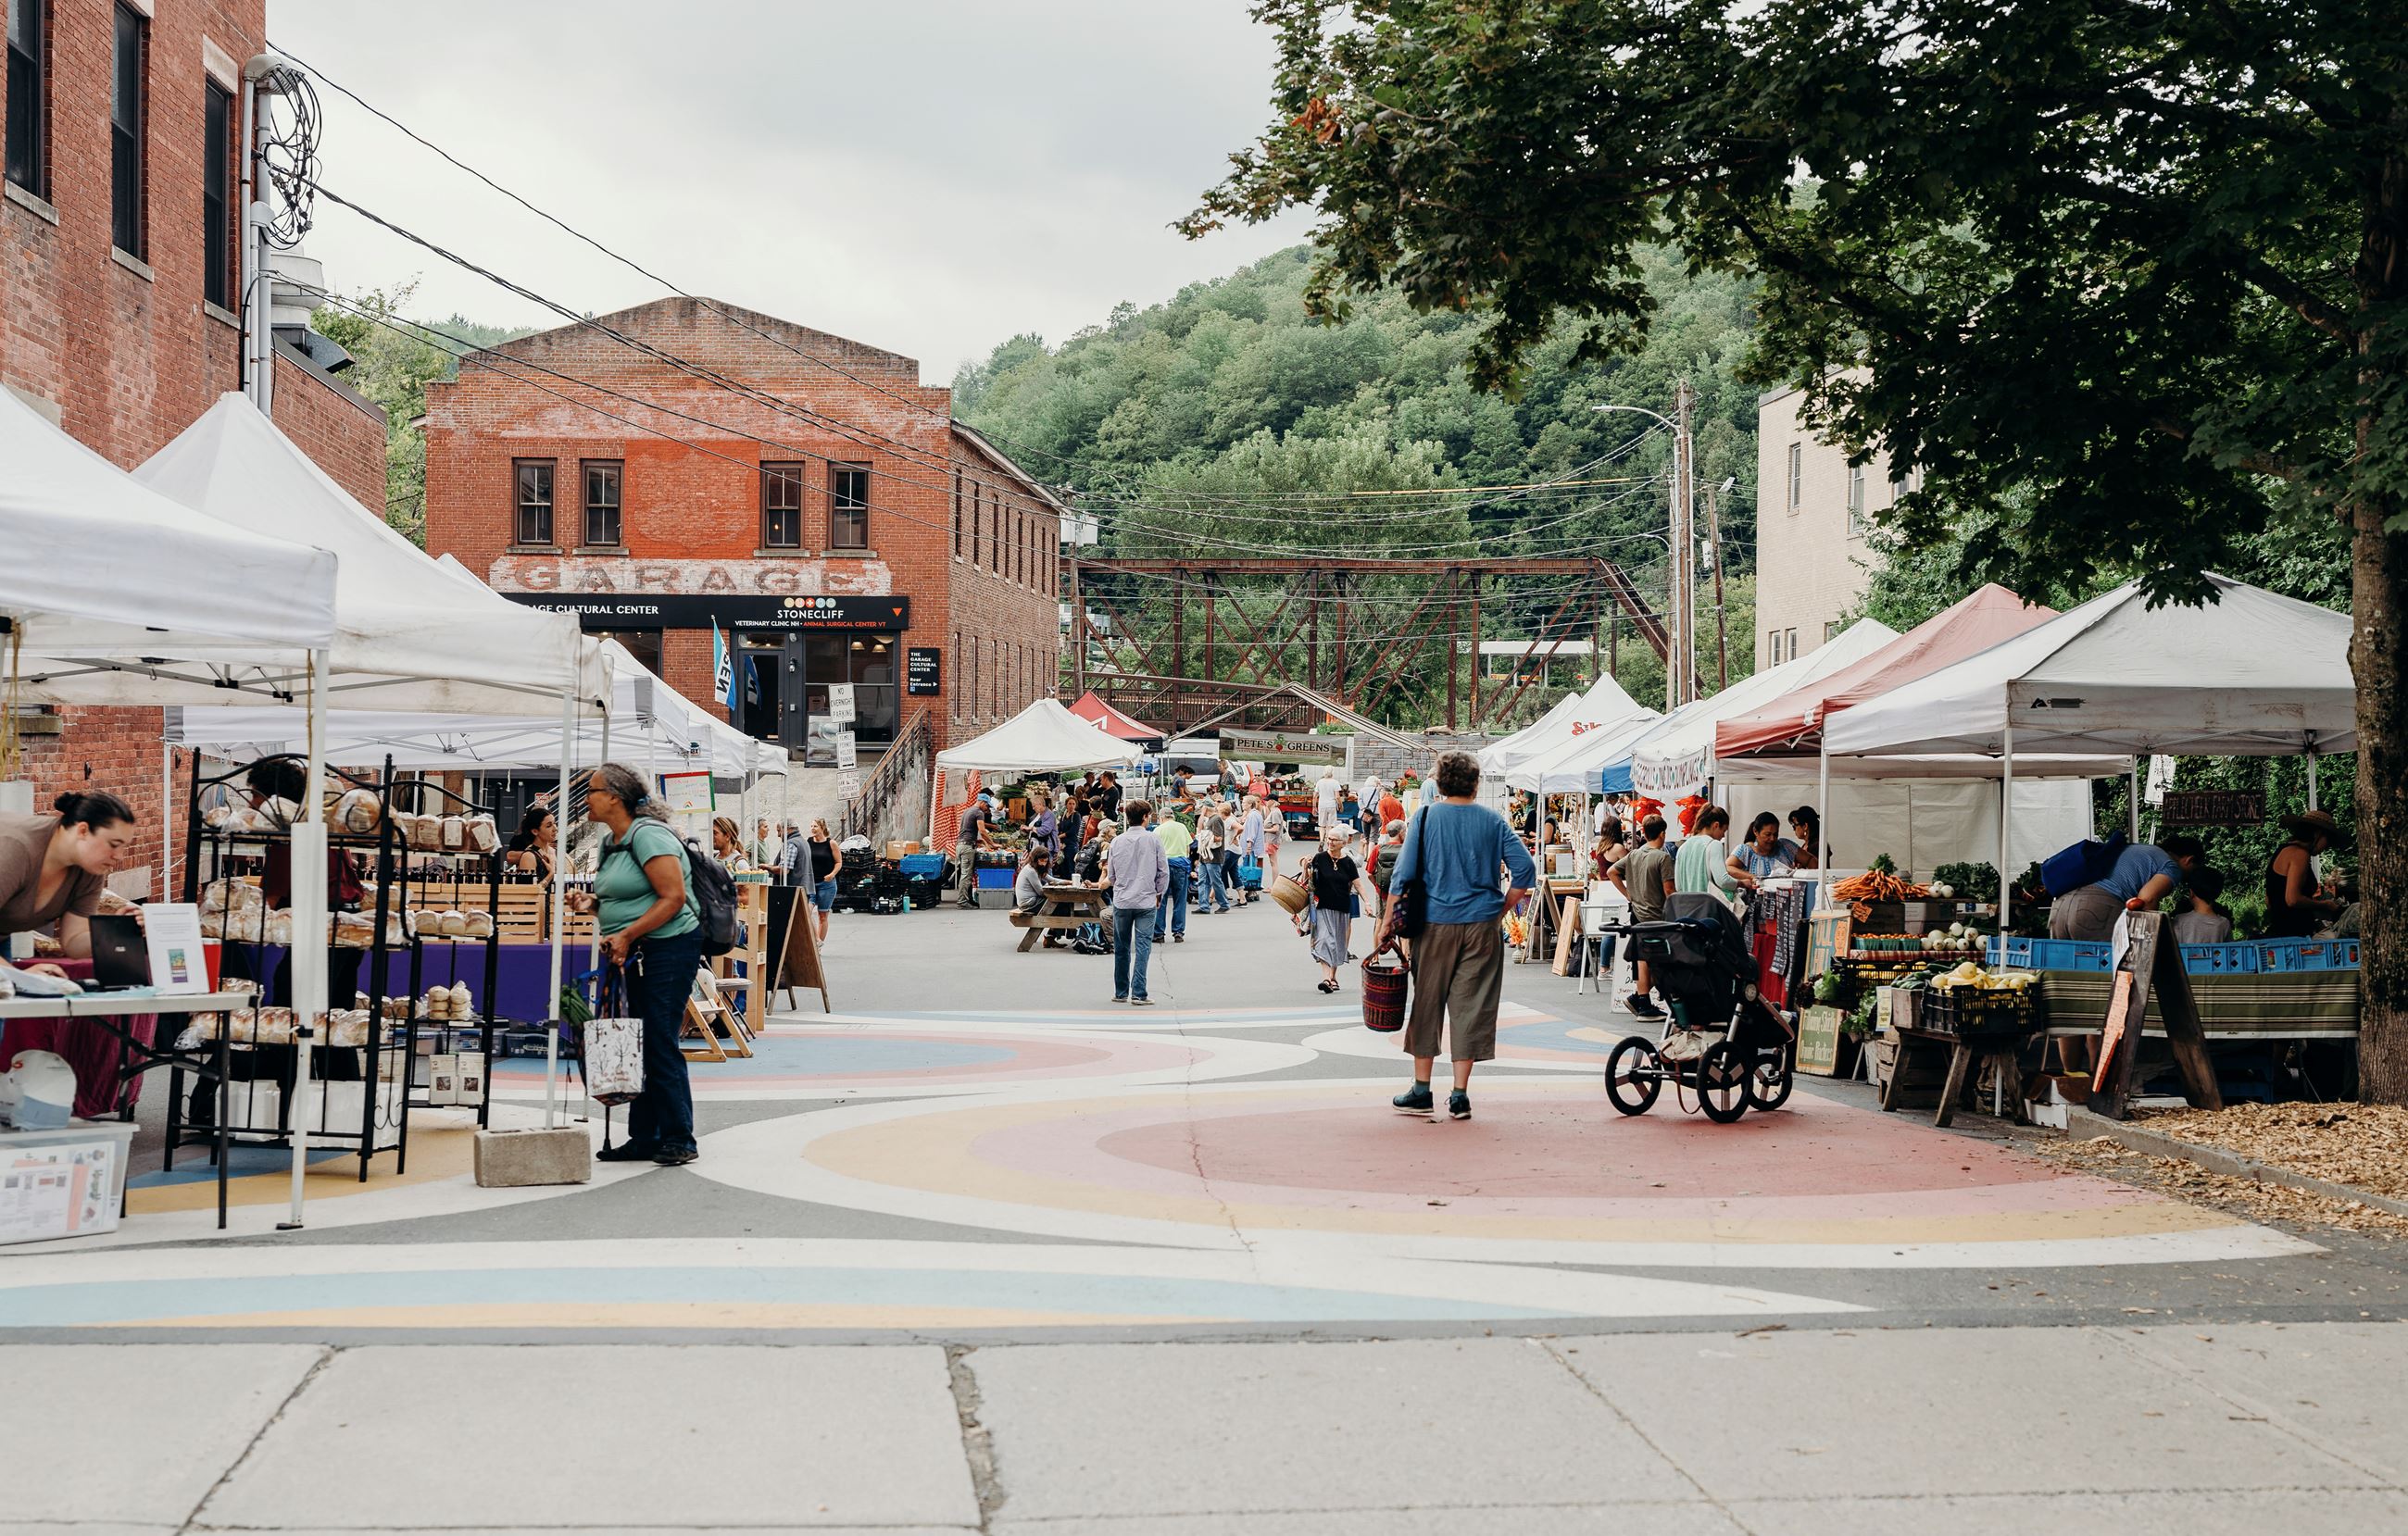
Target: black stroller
pixel 1699 957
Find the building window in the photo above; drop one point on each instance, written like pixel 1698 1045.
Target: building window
pixel 602 501
pixel 127 132
pixel 217 194
pixel 535 501
pixel 957 513
pixel 848 506
pixel 1793 645
pixel 29 95
pixel 782 506
pixel 1832 628
pixel 1797 476
pixel 978 518
pixel 1856 490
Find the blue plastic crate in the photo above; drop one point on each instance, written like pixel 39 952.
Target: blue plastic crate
pixel 2281 956
pixel 2057 954
pixel 923 865
pixel 2220 959
pixel 993 878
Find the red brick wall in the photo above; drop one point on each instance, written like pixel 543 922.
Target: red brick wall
pixel 344 434
pixel 1002 643
pixel 691 489
pixel 130 361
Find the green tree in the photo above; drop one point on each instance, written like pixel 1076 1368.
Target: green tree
pixel 2125 280
pixel 393 359
pixel 1229 418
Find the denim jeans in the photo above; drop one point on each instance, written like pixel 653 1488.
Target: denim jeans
pixel 1132 941
pixel 1232 882
pixel 1176 901
pixel 659 981
pixel 1215 895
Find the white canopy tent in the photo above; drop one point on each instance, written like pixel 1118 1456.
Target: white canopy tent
pixel 204 609
pixel 647 717
pixel 1679 757
pixel 1572 765
pixel 1603 705
pixel 2252 675
pixel 1045 737
pixel 409 636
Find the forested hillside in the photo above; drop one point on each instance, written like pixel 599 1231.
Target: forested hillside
pixel 1225 420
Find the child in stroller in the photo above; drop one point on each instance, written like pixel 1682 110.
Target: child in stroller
pixel 1701 961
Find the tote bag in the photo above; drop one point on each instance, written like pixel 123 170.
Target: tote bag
pixel 614 1048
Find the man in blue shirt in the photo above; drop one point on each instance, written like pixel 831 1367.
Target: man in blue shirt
pixel 1465 857
pixel 2144 874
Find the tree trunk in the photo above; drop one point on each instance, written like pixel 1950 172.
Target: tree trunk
pixel 2378 586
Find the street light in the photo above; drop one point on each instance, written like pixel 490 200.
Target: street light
pixel 1680 679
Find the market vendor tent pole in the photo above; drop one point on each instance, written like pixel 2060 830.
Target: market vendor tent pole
pixel 559 906
pixel 311 935
pixel 2006 828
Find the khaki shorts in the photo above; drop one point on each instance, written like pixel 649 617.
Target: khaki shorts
pixel 1458 975
pixel 2088 912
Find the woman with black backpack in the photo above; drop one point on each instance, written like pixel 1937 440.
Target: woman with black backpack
pixel 652 933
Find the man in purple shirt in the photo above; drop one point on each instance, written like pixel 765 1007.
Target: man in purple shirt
pixel 1140 873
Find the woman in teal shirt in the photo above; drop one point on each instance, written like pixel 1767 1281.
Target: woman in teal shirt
pixel 650 928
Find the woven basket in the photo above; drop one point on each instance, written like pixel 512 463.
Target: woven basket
pixel 1384 990
pixel 1288 893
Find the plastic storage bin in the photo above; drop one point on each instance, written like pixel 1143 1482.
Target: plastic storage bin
pixel 2279 956
pixel 2220 959
pixel 64 1182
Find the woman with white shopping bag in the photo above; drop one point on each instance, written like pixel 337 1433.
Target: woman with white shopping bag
pixel 642 899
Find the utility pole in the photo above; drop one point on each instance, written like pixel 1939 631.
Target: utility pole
pixel 1721 637
pixel 1681 676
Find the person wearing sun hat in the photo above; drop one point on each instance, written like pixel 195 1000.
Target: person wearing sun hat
pixel 2295 908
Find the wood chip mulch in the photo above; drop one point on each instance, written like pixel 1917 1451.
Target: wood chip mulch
pixel 2249 1198
pixel 2363 1145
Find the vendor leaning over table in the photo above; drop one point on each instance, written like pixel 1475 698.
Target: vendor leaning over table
pixel 2144 874
pixel 54 869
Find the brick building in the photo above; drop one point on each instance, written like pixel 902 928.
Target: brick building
pixel 121 280
pixel 809 497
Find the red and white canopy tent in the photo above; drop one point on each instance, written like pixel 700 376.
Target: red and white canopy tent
pixel 1104 717
pixel 1924 808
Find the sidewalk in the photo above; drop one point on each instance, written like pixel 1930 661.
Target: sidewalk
pixel 2199 1432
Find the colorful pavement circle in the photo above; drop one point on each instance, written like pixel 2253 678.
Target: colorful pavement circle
pixel 1526 1037
pixel 1546 1174
pixel 866 1285
pixel 813 1061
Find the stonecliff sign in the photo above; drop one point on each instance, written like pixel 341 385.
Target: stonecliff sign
pixel 736 615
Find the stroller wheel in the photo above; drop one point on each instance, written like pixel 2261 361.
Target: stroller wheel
pixel 1770 1081
pixel 1723 1083
pixel 1633 1075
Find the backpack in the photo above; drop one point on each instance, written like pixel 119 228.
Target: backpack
pixel 713 893
pixel 2085 863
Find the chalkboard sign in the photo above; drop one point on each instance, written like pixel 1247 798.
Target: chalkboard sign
pixel 2213 808
pixel 921 670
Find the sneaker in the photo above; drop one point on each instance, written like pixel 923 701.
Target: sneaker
pixel 1458 1105
pixel 1415 1100
pixel 1140 1002
pixel 1641 1006
pixel 628 1152
pixel 1119 997
pixel 1179 938
pixel 685 1154
pixel 1157 938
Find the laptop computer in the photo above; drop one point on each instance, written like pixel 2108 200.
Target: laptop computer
pixel 121 955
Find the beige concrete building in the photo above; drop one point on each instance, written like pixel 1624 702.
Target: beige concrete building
pixel 1812 560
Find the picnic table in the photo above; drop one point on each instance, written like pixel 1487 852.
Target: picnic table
pixel 1085 903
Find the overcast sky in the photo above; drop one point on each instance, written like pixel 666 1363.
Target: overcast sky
pixel 926 175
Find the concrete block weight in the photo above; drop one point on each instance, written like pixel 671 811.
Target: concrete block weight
pixel 514 1160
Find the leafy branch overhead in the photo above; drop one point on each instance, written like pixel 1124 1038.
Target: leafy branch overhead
pixel 2127 273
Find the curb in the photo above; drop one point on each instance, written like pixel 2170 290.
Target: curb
pixel 2083 1122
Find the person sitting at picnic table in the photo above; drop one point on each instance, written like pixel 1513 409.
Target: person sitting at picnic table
pixel 1028 886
